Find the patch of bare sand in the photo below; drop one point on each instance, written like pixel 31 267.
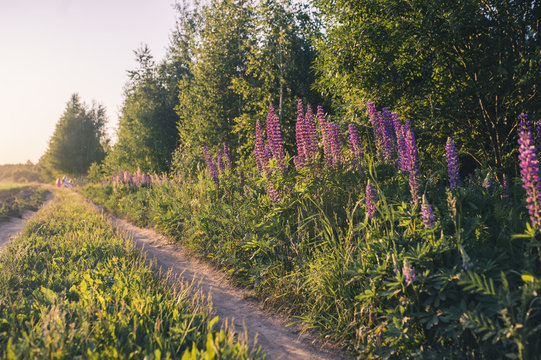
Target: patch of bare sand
pixel 277 340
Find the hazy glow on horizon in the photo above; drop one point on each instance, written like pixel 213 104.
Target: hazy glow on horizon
pixel 52 49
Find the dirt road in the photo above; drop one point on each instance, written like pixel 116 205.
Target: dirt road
pixel 277 340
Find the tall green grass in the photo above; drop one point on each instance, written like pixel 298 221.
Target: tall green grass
pixel 71 287
pixel 14 198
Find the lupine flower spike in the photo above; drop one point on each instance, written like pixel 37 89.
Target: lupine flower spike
pixel 413 166
pixel 274 138
pixel 428 214
pixel 452 165
pixel 529 170
pixel 408 272
pixel 227 156
pixel 355 146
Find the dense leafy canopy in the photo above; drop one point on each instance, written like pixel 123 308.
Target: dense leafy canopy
pixel 459 68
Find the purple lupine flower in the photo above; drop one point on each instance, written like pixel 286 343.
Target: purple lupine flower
pixel 227 156
pixel 260 154
pixel 336 144
pixel 268 152
pixel 427 214
pixel 298 162
pixel 274 138
pixel 207 156
pixel 324 136
pixel 374 119
pixel 220 160
pixel 529 169
pixel 467 263
pixel 405 128
pixel 273 193
pixel 452 165
pixel 211 167
pixel 370 200
pixel 408 272
pixel 310 135
pixel 413 166
pixel 400 143
pixel 299 133
pixel 387 134
pixel 355 146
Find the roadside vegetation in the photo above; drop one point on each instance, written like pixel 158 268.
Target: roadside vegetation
pixel 368 243
pixel 14 198
pixel 70 287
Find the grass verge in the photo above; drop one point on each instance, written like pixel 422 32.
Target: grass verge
pixel 15 198
pixel 70 287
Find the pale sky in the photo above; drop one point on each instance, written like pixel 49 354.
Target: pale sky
pixel 50 49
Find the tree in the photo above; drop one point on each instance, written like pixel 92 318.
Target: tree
pixel 460 68
pixel 207 102
pixel 250 54
pixel 147 135
pixel 77 140
pixel 278 68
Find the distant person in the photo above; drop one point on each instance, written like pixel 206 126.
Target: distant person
pixel 65 181
pixel 58 182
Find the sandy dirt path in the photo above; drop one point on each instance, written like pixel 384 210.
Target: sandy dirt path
pixel 277 340
pixel 12 226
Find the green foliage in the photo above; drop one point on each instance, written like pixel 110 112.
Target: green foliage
pixel 317 256
pixel 147 132
pixel 464 69
pixel 77 140
pixel 20 173
pixel 72 287
pixel 249 55
pixel 14 199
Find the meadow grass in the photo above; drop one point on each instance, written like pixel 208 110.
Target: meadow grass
pixel 71 287
pixel 14 198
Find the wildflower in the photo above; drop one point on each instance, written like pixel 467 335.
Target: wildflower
pixel 273 193
pixel 211 167
pixel 408 272
pixel 413 165
pixel 529 169
pixel 428 214
pixel 400 143
pixel 274 138
pixel 370 200
pixel 227 156
pixel 299 134
pixel 387 134
pixel 261 155
pixel 466 261
pixel 355 146
pixel 452 165
pixel 310 135
pixel 325 137
pixel 220 160
pixel 335 138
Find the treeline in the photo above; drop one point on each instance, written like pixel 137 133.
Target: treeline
pixel 463 69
